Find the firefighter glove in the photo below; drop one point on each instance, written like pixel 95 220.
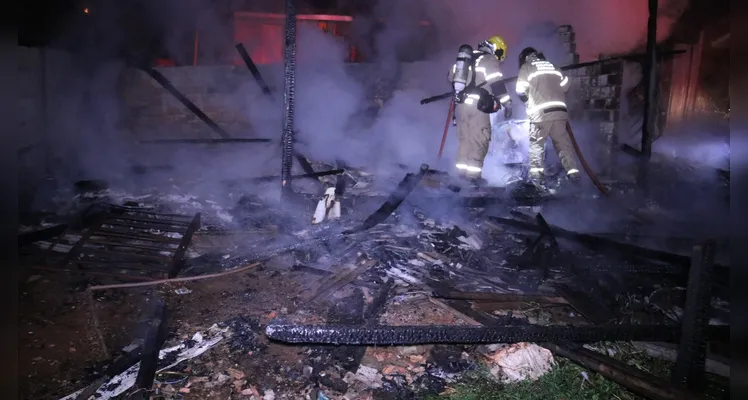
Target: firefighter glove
pixel 507 111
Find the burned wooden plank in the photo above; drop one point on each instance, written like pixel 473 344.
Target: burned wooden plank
pixel 177 261
pixel 590 309
pixel 499 297
pixel 601 243
pixel 161 79
pixel 311 270
pixel 341 279
pixel 113 244
pixel 412 335
pixel 714 364
pixel 75 250
pixel 153 220
pixel 154 340
pixel 95 273
pixel 164 227
pixel 135 236
pixel 91 389
pixel 145 212
pixel 312 174
pixel 206 141
pixel 689 366
pixel 637 381
pixel 404 188
pixel 516 305
pixel 27 238
pixel 101 264
pixel 371 315
pixel 253 69
pixel 122 256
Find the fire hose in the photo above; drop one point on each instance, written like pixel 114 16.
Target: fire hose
pixel 596 181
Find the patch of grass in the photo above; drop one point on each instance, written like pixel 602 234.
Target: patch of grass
pixel 564 382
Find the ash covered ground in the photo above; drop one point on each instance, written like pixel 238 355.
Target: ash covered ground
pixel 408 269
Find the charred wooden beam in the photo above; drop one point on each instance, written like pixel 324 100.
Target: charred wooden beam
pixel 289 85
pixel 601 243
pixel 499 297
pixel 253 69
pixel 404 188
pixel 161 79
pixel 412 335
pixel 689 366
pixel 593 311
pixel 314 175
pixel 650 83
pixel 177 261
pixel 635 380
pixel 154 340
pixel 341 279
pixel 206 141
pixel 27 238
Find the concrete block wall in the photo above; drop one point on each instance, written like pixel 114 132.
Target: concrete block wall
pixel 221 92
pixel 224 93
pixel 594 99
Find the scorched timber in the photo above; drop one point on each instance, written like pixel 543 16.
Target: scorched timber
pixel 414 335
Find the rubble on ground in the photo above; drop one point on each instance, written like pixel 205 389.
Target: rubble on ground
pixel 409 270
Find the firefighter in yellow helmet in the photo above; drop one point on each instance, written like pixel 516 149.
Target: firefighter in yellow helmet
pixel 479 91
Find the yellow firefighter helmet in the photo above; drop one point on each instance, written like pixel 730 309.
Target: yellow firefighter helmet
pixel 497 44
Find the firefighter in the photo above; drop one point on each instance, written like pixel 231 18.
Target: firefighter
pixel 542 88
pixel 479 91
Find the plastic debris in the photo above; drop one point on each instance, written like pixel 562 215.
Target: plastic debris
pixel 328 208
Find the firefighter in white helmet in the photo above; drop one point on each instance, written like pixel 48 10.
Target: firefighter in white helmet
pixel 542 88
pixel 479 91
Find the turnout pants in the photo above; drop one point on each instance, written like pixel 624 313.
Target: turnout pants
pixel 539 133
pixel 474 137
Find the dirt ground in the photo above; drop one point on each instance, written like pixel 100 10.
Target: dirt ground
pixel 59 341
pixel 61 345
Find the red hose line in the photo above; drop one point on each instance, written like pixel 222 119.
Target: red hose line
pixel 594 178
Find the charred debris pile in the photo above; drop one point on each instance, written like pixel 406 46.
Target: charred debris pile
pixel 507 278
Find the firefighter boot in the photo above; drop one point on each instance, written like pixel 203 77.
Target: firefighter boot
pixel 569 182
pixel 537 185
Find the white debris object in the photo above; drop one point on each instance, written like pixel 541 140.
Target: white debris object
pixel 184 351
pixel 471 241
pixel 327 208
pixel 369 376
pixel 521 361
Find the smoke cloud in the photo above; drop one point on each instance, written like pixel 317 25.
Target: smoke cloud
pixel 334 111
